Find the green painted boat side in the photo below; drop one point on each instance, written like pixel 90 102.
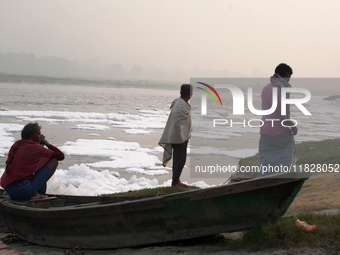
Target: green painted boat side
pixel 112 222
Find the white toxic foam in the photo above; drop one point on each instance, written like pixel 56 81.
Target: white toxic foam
pixel 137 131
pixel 6 139
pixel 120 155
pixel 81 180
pixel 91 127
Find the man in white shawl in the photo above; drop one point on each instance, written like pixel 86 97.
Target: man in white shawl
pixel 177 133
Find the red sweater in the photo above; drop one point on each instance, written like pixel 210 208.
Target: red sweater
pixel 28 159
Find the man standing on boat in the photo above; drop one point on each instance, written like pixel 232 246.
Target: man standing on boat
pixel 277 144
pixel 177 133
pixel 30 165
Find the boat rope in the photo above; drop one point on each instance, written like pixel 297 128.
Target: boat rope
pixel 3 216
pixel 227 181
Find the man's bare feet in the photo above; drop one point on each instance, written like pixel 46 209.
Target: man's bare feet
pixel 181 184
pixel 38 196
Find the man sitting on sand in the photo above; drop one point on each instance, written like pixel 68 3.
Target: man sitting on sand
pixel 177 133
pixel 30 165
pixel 277 144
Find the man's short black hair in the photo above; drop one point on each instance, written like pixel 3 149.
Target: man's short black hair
pixel 283 69
pixel 29 129
pixel 186 90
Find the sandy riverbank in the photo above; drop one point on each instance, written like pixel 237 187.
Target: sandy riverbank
pixel 317 194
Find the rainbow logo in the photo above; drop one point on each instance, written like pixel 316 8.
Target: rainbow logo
pixel 208 92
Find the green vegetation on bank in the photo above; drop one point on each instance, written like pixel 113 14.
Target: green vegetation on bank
pixel 154 191
pixel 284 233
pixel 320 152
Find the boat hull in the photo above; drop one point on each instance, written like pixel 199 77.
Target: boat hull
pixel 103 223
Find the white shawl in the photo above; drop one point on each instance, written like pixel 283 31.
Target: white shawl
pixel 280 82
pixel 177 129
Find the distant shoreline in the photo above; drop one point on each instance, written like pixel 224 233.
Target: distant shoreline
pixel 326 87
pixel 118 83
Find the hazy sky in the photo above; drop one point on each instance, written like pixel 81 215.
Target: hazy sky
pixel 248 37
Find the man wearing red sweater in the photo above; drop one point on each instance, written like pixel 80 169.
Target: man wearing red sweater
pixel 30 165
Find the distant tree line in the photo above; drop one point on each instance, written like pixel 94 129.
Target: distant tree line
pixel 29 64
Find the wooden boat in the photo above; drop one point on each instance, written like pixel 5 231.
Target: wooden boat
pixel 111 222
